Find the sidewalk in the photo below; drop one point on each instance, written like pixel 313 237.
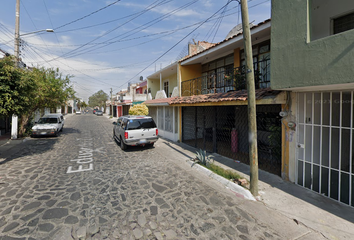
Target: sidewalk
pixel 333 220
pixel 319 213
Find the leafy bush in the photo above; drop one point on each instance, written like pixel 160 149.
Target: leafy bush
pixel 139 109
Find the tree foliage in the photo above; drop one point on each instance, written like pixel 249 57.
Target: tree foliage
pixel 139 109
pixel 15 85
pixel 98 99
pixel 24 91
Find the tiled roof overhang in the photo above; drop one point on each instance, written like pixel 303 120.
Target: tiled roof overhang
pixel 159 102
pixel 263 96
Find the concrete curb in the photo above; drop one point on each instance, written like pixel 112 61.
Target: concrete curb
pixel 240 191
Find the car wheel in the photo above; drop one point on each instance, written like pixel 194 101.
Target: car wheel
pixel 61 129
pixel 123 146
pixel 151 145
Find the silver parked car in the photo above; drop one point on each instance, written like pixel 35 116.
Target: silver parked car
pixel 135 131
pixel 99 113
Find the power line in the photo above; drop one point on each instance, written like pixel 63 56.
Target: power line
pixel 72 51
pixel 152 22
pixel 88 15
pixel 176 44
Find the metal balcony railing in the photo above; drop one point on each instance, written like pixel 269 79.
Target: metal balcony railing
pixel 225 80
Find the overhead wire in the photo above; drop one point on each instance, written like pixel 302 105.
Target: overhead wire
pixel 175 44
pixel 115 28
pixel 90 14
pixel 139 29
pixel 107 22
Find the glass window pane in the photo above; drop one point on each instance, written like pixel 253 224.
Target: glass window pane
pixel 160 124
pixel 168 119
pixel 308 143
pixel 325 146
pixel 308 175
pixel 324 181
pixel 300 173
pixel 344 188
pixel 316 178
pixel 308 116
pixel 335 148
pixel 317 103
pixel 316 144
pixel 335 109
pixel 326 108
pixel 301 141
pixel 346 108
pixel 301 107
pixel 345 151
pixel 334 184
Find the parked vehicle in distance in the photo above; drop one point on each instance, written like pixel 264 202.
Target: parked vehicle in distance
pixel 99 113
pixel 50 124
pixel 135 131
pixel 94 111
pixel 78 112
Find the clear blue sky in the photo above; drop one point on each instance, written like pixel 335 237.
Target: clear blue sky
pixel 105 44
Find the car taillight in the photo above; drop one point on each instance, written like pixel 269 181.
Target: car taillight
pixel 126 135
pixel 157 132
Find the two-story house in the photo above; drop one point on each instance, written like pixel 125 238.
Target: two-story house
pixel 211 107
pixel 312 58
pixel 214 102
pixel 135 94
pixel 163 87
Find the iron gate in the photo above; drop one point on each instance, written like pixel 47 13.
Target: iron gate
pixel 224 130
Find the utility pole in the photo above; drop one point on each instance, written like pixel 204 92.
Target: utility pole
pixel 252 122
pixel 14 121
pixel 17 33
pixel 111 104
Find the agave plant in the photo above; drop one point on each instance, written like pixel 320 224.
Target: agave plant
pixel 203 158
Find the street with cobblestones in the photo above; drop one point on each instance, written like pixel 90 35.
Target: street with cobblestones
pixel 81 185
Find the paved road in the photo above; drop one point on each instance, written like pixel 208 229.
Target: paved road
pixel 81 185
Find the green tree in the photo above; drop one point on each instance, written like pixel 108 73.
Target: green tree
pixel 98 99
pixel 15 84
pixel 23 91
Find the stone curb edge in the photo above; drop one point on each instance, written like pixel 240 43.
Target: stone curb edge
pixel 240 191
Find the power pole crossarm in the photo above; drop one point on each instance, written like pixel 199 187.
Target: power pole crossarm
pixel 252 122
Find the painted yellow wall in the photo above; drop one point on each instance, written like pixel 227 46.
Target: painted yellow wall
pixel 190 72
pixel 154 84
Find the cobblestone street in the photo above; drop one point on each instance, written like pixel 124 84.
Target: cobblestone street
pixel 81 185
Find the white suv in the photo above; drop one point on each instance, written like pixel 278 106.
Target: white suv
pixel 49 124
pixel 135 131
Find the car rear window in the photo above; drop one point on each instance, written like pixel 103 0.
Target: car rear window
pixel 140 123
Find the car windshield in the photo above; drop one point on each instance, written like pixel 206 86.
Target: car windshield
pixel 98 111
pixel 47 120
pixel 140 123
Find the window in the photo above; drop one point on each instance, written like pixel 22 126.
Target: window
pixel 343 23
pixel 165 87
pixel 330 17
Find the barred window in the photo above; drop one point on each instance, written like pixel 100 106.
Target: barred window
pixel 343 23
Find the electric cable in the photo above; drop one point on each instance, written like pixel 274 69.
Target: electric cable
pixel 72 51
pixel 175 44
pixel 81 18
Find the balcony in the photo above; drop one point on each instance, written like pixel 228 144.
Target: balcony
pixel 225 80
